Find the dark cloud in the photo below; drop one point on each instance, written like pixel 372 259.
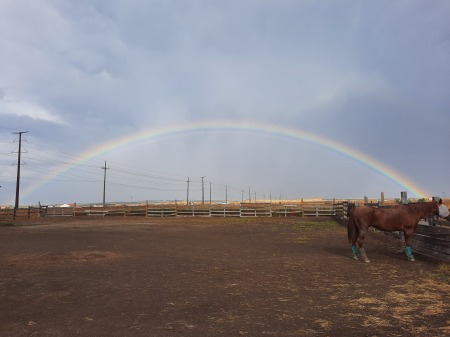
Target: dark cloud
pixel 371 75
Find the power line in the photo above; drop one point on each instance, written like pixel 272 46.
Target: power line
pixel 62 166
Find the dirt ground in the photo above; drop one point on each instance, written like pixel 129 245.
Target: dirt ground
pixel 213 277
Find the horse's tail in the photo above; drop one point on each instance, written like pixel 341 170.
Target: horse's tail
pixel 352 229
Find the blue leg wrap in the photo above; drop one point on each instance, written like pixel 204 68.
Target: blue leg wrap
pixel 354 250
pixel 408 251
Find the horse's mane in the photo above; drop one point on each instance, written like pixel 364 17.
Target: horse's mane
pixel 423 208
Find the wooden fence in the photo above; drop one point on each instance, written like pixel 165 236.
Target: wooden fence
pixel 432 241
pixel 170 210
pixel 428 239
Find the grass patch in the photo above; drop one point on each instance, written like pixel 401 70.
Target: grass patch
pixel 7 224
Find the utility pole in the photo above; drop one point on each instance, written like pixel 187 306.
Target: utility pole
pixel 187 197
pixel 249 197
pixel 203 192
pixel 243 195
pixel 210 193
pixel 226 194
pixel 104 182
pixel 16 206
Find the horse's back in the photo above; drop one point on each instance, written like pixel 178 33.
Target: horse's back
pixel 394 218
pixel 382 218
pixel 363 214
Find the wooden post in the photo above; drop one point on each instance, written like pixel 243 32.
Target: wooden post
pixel 301 206
pixel 382 198
pixel 146 209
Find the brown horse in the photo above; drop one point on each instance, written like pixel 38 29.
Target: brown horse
pixel 398 218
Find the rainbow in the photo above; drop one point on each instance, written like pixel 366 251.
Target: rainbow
pixel 233 126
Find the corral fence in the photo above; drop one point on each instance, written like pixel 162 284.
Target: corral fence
pixel 432 241
pixel 429 239
pixel 317 209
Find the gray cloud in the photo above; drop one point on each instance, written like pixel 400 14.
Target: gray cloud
pixel 372 75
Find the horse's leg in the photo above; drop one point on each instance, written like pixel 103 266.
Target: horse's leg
pixel 355 251
pixel 401 241
pixel 353 232
pixel 408 240
pixel 361 238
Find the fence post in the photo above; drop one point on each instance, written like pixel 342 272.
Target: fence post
pixel 301 207
pixel 146 209
pixel 403 197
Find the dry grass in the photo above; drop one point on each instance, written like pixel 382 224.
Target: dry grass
pixel 443 273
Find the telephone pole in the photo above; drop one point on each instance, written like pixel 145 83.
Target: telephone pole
pixel 226 194
pixel 187 197
pixel 104 182
pixel 203 192
pixel 16 206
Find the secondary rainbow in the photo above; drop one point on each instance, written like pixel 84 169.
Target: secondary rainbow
pixel 233 126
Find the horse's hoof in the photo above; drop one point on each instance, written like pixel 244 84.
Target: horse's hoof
pixel 355 258
pixel 366 260
pixel 411 258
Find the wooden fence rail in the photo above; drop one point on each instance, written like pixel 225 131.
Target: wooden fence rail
pixel 432 241
pixel 245 210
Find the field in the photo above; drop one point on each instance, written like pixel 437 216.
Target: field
pixel 213 277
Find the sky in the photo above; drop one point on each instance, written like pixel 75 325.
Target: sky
pixel 265 99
